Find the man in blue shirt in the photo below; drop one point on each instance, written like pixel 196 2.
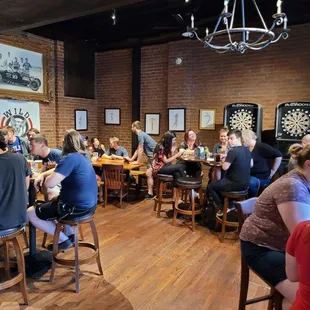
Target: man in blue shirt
pixel 17 144
pixel 39 147
pixel 116 151
pixel 147 145
pixel 78 189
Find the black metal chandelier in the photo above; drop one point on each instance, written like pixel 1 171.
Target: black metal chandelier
pixel 242 38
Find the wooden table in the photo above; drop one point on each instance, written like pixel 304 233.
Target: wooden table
pixel 105 161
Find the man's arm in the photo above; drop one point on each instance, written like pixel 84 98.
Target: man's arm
pixel 53 179
pixel 140 152
pixel 276 164
pixel 27 181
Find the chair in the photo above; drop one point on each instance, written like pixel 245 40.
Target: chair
pixel 11 235
pixel 236 195
pixel 113 176
pixel 185 184
pixel 159 199
pixel 100 185
pixel 244 209
pixel 76 262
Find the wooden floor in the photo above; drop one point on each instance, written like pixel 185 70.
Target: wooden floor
pixel 148 264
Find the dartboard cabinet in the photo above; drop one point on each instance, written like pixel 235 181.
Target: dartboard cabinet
pixel 244 116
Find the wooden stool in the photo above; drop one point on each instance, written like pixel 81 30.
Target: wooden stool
pixel 162 180
pixel 236 195
pixel 6 236
pixel 76 262
pixel 185 184
pixel 100 185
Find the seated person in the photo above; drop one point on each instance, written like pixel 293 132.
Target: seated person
pixel 32 132
pixel 237 166
pixel 191 142
pixel 221 147
pixel 162 163
pixel 39 147
pixel 266 161
pixel 293 162
pixel 17 144
pixel 277 212
pixel 116 151
pixel 14 184
pixel 99 148
pixel 297 264
pixel 78 189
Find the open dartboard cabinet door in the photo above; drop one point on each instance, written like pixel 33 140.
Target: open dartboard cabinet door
pixel 244 116
pixel 291 124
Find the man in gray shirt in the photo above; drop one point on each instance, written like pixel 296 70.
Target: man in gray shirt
pixel 146 145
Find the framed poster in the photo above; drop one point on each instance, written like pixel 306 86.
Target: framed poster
pixel 152 122
pixel 22 115
pixel 80 120
pixel 112 116
pixel 24 71
pixel 207 119
pixel 176 119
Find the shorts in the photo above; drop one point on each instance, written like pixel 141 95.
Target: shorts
pixel 149 163
pixel 48 211
pixel 268 264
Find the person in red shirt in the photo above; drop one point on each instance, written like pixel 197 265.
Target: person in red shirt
pixel 298 264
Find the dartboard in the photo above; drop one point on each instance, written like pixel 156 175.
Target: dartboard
pixel 243 116
pixel 292 120
pixel 241 120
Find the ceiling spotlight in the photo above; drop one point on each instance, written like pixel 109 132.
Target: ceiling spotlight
pixel 186 1
pixel 113 16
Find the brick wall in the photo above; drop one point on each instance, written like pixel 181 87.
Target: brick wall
pixel 113 89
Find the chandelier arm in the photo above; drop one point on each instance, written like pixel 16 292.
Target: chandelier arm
pixel 233 15
pixel 243 20
pixel 269 31
pixel 227 29
pixel 260 15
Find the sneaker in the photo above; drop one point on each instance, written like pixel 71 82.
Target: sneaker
pixel 219 213
pixel 71 238
pixel 148 196
pixel 61 246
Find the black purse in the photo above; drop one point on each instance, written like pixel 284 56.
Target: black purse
pixel 64 209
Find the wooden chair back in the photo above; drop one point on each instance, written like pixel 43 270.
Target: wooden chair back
pixel 113 176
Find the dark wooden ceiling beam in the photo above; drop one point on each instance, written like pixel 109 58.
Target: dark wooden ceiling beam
pixel 20 15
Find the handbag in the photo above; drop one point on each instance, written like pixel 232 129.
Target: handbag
pixel 64 209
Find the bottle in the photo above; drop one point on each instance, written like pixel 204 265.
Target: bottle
pixel 202 152
pixel 207 152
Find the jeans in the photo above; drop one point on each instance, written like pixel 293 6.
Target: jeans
pixel 256 184
pixel 216 187
pixel 176 170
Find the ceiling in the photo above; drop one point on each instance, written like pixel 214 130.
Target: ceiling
pixel 138 22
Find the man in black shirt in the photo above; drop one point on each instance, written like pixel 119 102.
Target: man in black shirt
pixel 266 161
pixel 14 180
pixel 237 166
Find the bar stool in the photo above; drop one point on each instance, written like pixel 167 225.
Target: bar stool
pixel 76 262
pixel 236 195
pixel 162 180
pixel 6 236
pixel 185 184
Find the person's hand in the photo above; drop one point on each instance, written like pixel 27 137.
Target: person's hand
pixel 38 182
pixel 127 158
pixel 181 152
pixel 135 162
pixel 272 172
pixel 223 157
pixel 113 156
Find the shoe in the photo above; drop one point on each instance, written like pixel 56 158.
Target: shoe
pixel 61 246
pixel 71 238
pixel 148 196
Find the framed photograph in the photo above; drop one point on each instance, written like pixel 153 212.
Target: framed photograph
pixel 24 69
pixel 176 119
pixel 81 120
pixel 112 116
pixel 207 119
pixel 152 121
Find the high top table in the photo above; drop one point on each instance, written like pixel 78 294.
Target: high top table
pixel 106 161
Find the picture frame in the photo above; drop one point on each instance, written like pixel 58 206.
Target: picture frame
pixel 152 124
pixel 81 120
pixel 24 69
pixel 207 119
pixel 177 119
pixel 112 116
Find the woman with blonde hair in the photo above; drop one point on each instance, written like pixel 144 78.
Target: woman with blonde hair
pixel 78 194
pixel 266 161
pixel 222 146
pixel 278 210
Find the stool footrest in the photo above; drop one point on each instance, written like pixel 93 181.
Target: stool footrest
pixel 9 283
pixel 227 223
pixel 188 212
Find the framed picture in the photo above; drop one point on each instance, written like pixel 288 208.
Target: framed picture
pixel 112 116
pixel 176 119
pixel 152 121
pixel 24 71
pixel 81 120
pixel 207 119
